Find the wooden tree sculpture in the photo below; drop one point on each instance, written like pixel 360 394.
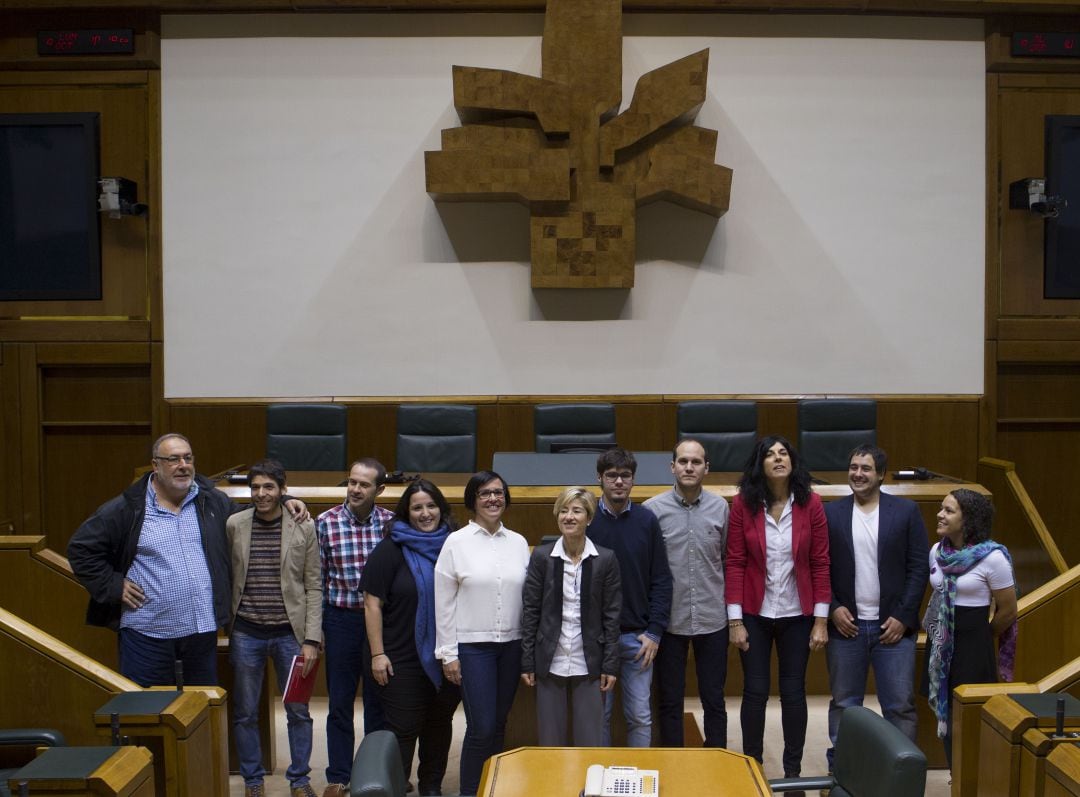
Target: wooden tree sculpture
pixel 559 145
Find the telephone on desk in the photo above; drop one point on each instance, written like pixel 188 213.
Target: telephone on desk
pixel 603 781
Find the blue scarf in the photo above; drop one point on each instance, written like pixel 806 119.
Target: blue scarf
pixel 940 622
pixel 421 551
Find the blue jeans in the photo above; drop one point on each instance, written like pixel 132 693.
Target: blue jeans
pixel 634 684
pixel 489 681
pixel 150 661
pixel 344 639
pixel 248 655
pixel 894 673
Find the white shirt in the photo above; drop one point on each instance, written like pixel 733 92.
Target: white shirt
pixel 478 583
pixel 781 589
pixel 569 658
pixel 973 588
pixel 864 542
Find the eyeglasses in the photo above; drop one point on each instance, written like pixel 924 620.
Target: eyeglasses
pixel 622 475
pixel 485 494
pixel 176 459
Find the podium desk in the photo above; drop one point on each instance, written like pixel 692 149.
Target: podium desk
pixel 1063 772
pixel 176 728
pixel 560 771
pixel 89 772
pixel 1011 723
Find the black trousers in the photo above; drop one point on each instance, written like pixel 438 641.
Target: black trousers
pixel 791 635
pixel 710 659
pixel 416 711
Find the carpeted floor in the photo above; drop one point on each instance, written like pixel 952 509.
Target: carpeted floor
pixel 817 739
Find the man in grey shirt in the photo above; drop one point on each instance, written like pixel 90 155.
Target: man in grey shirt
pixel 694 525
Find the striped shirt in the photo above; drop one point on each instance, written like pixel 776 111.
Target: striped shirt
pixel 345 543
pixel 261 602
pixel 170 567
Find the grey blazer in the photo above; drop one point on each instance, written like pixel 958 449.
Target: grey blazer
pixel 601 604
pixel 301 571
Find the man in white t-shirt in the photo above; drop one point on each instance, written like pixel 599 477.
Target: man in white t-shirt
pixel 878 549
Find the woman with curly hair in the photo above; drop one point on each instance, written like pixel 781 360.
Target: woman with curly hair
pixel 777 589
pixel 969 573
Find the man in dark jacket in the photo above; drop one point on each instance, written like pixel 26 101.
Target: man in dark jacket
pixel 878 550
pixel 155 561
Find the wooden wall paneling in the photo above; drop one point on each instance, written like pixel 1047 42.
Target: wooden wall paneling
pixel 1048 637
pixel 942 435
pixel 160 409
pixel 645 427
pixel 779 417
pixel 1039 392
pixel 121 99
pixel 30 433
pixel 92 398
pixel 988 403
pixel 487 434
pixel 222 436
pixel 11 474
pixel 1063 8
pixel 515 426
pixel 44 594
pixel 1023 102
pixel 1017 525
pixel 373 432
pixel 151 194
pixel 78 479
pixel 1048 475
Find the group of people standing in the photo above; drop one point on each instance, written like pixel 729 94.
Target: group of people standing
pixel 425 615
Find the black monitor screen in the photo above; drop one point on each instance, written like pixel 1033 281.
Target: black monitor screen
pixel 1062 260
pixel 49 228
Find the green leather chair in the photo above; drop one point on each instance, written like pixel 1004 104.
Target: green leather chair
pixel 727 430
pixel 307 436
pixel 585 426
pixel 436 438
pixel 17 746
pixel 873 759
pixel 830 428
pixel 376 769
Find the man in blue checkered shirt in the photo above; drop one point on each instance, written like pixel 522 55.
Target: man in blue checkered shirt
pixel 155 561
pixel 347 536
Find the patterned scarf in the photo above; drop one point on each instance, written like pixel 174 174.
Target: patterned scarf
pixel 940 619
pixel 421 551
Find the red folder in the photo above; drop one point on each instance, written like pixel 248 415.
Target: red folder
pixel 298 688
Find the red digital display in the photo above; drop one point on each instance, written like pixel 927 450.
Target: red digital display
pixel 106 41
pixel 1047 45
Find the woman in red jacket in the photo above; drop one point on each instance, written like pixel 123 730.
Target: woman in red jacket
pixel 777 590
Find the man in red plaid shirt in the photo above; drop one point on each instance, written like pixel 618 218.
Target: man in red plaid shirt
pixel 347 536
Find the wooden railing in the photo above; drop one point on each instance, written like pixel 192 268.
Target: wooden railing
pixel 39 587
pixel 1019 526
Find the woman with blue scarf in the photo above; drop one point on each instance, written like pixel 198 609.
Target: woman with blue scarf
pixel 399 612
pixel 969 573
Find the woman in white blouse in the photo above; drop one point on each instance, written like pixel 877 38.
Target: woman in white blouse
pixel 969 573
pixel 478 582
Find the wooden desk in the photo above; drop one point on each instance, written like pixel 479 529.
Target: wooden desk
pixel 1063 772
pixel 560 771
pixel 1007 722
pixel 89 772
pixel 530 510
pixel 176 728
